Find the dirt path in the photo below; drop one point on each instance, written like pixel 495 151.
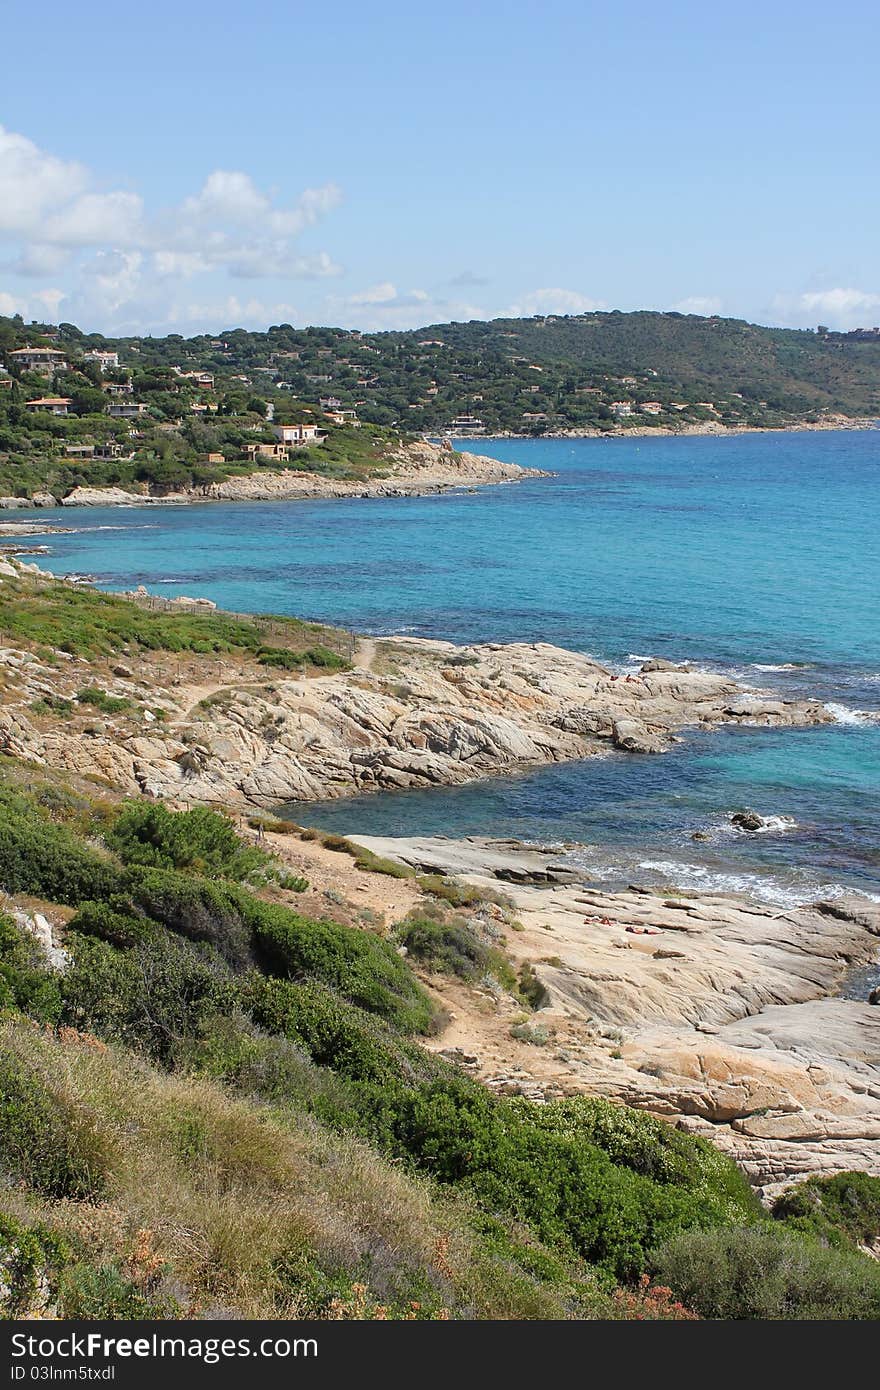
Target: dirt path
pixel 365 653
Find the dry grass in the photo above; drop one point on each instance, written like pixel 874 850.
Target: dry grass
pixel 247 1211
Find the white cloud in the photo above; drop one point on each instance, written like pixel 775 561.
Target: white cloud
pixel 229 312
pixel 841 308
pixel 227 196
pixel 276 260
pixel 37 260
pixel 98 219
pixel 468 278
pixel 11 304
pixel 183 264
pixel 376 294
pixel 705 304
pixel 553 301
pixel 119 258
pixel 33 183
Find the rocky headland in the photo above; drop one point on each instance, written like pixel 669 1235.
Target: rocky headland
pixel 409 713
pixel 413 469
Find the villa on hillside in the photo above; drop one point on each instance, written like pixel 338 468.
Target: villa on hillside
pixel 39 359
pixel 621 409
pixel 107 361
pixel 57 405
pixel 79 451
pixel 298 436
pixel 280 453
pixel 127 410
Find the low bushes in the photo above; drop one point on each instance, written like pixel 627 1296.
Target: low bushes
pixel 842 1210
pixel 44 1140
pixel 365 969
pixel 24 981
pixel 152 998
pixel 450 947
pixel 147 833
pixel 768 1272
pixel 102 700
pixel 48 860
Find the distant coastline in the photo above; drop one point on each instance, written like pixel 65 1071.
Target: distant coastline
pixel 709 428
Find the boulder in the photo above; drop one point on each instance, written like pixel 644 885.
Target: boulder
pixel 631 736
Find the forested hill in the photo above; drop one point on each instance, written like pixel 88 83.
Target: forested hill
pixel 530 376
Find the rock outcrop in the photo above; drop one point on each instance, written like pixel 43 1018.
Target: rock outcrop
pixel 446 715
pixel 712 1011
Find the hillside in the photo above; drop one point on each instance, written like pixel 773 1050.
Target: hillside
pixel 173 413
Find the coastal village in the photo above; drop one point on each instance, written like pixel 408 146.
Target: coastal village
pixel 173 412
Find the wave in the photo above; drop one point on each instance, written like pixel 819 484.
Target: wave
pixel 764 889
pixel 135 526
pixel 844 715
pixel 782 666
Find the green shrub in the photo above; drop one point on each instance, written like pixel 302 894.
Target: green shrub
pixel 118 928
pixel 839 1210
pixel 45 1141
pixel 336 1034
pixel 566 1188
pixel 152 997
pixel 360 966
pixel 90 1292
pixel 193 907
pixel 768 1272
pixel 51 704
pixel 450 947
pixel 30 1259
pixel 100 699
pixel 147 833
pixel 48 860
pixel 26 982
pixel 656 1150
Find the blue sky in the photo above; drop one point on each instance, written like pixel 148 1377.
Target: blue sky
pixel 173 168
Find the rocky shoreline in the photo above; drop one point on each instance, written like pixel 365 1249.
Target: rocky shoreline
pixel 413 470
pixel 708 1009
pixel 410 713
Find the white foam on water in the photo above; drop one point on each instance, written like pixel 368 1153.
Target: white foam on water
pixel 773 825
pixel 762 889
pixel 844 715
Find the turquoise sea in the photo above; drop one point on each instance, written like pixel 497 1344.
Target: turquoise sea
pixel 757 554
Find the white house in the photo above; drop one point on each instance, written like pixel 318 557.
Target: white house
pixel 298 435
pixel 107 361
